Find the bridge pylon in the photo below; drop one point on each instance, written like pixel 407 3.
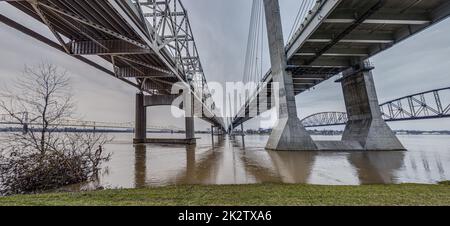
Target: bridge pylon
pixel 144 101
pixel 140 129
pixel 188 106
pixel 365 123
pixel 289 133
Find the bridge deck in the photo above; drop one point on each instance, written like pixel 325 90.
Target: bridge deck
pixel 355 31
pixel 96 28
pixel 117 31
pixel 339 33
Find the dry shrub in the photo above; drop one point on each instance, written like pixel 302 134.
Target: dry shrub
pixel 44 158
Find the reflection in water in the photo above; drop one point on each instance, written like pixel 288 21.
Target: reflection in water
pixel 271 166
pixel 190 164
pixel 229 162
pixel 377 167
pixel 293 167
pixel 140 166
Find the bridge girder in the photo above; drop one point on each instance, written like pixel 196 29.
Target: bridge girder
pixel 338 34
pixel 105 47
pixel 141 51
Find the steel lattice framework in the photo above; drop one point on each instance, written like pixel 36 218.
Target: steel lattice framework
pixel 149 43
pixel 325 119
pixel 169 22
pixel 425 105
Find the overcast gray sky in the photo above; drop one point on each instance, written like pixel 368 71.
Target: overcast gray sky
pixel 221 29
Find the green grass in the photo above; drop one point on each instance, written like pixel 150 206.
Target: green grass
pixel 253 195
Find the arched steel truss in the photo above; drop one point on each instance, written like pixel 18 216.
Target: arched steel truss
pixel 426 105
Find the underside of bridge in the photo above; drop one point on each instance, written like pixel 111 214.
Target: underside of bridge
pixel 339 34
pixel 338 37
pixel 149 44
pixel 288 133
pixel 184 101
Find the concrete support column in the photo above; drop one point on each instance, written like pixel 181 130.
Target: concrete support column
pixel 25 124
pixel 25 129
pixel 243 135
pixel 189 117
pixel 140 129
pixel 366 125
pixel 212 136
pixel 289 133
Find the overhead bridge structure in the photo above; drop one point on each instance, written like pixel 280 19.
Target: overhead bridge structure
pixel 432 104
pixel 149 45
pixel 338 37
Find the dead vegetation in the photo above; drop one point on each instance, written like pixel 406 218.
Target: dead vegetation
pixel 44 158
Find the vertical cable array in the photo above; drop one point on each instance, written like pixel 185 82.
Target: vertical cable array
pixel 253 68
pixel 254 52
pixel 303 11
pixel 254 60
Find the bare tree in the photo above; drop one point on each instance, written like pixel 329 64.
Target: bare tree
pixel 44 157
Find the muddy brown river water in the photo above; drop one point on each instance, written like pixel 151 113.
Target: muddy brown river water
pixel 426 161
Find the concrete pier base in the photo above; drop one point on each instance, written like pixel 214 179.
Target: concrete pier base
pixel 142 102
pixel 140 129
pixel 365 123
pixel 289 133
pixel 339 146
pixel 166 141
pixel 189 118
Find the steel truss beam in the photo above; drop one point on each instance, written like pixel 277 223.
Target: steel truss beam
pixel 169 21
pixel 106 47
pixel 149 41
pixel 136 72
pixel 425 105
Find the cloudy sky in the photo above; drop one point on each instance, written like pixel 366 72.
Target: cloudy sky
pixel 221 29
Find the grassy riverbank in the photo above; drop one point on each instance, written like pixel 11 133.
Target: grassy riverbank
pixel 265 194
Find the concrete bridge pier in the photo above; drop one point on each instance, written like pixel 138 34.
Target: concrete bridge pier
pixel 140 129
pixel 289 133
pixel 365 123
pixel 144 101
pixel 243 135
pixel 25 128
pixel 188 105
